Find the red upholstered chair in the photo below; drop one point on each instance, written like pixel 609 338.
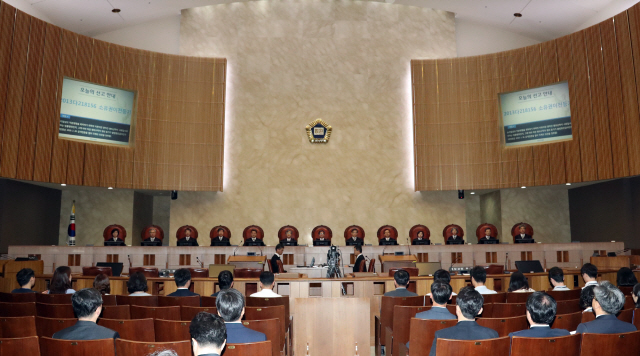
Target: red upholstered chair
pixel 504 326
pixel 226 233
pixel 554 346
pixel 94 271
pixel 480 231
pixel 136 348
pixel 263 348
pixel 567 321
pixel 282 235
pixel 423 331
pixel 446 232
pixel 108 231
pixel 180 234
pixel 363 266
pixel 131 329
pixel 199 272
pixel 495 298
pixel 116 312
pixel 264 313
pixel 626 315
pixel 147 301
pixel 246 233
pixel 515 230
pixel 149 272
pixel 49 326
pixel 415 229
pixel 626 290
pixel 559 295
pixel 280 265
pixel 21 326
pixel 165 313
pixel 360 233
pixel 53 298
pixel 490 347
pixel 628 302
pixel 159 232
pixel 193 301
pixel 372 265
pixel 171 330
pixel 187 313
pixel 20 346
pixel 393 233
pixel 315 233
pixel 18 297
pixel 609 344
pixel 636 318
pixel 54 347
pixel 55 310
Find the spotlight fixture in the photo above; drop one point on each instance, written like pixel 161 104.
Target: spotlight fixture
pixel 110 188
pixel 568 184
pixel 64 185
pixel 517 14
pixel 472 193
pixel 115 11
pixel 523 187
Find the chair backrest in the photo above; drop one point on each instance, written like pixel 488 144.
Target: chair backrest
pixel 270 328
pixel 188 313
pixel 270 302
pixel 401 320
pixel 263 313
pixel 372 265
pixel 146 301
pixel 199 272
pixel 508 310
pixel 413 271
pixel 495 298
pixel 626 315
pixel 387 305
pixel 587 317
pixel 565 294
pixel 636 318
pixel 362 267
pixel 109 299
pixel 504 326
pixel 146 271
pixel 49 326
pixel 626 290
pixel 280 266
pixel 17 309
pixel 131 329
pixel 518 297
pixel 422 333
pixel 166 313
pixel 116 312
pixel 18 297
pixel 207 301
pixel 21 345
pixel 247 273
pixel 53 298
pixel 494 269
pixel 55 347
pixel 596 344
pixel 251 349
pixel 567 321
pixel 19 326
pixel 568 306
pixel 628 302
pixel 55 310
pixel 137 348
pixel 489 347
pixel 95 270
pixel 171 330
pixel 552 346
pixel 193 301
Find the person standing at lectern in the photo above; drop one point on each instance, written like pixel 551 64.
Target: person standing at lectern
pixel 153 238
pixel 522 235
pixel 254 240
pixel 277 257
pixel 387 240
pixel 289 240
pixel 115 237
pixel 354 240
pixel 454 236
pixel 357 250
pixel 188 240
pixel 220 240
pixel 487 235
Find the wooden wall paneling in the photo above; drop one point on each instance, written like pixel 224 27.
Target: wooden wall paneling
pixel 599 105
pixel 15 95
pixel 220 78
pixel 47 104
pixel 7 22
pixel 509 157
pixel 474 176
pixel 181 157
pixel 489 128
pixel 432 169
pixel 27 141
pixel 159 127
pixel 520 80
pixel 536 78
pixel 614 99
pixel 461 124
pixel 130 78
pixel 109 160
pixel 143 136
pixel 446 111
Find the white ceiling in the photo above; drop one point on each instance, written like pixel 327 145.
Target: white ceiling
pixel 542 19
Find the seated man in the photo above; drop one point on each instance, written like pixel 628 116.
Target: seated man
pixel 468 306
pixel 487 236
pixel 607 302
pixel 589 274
pixel 357 250
pixel 289 240
pixel 556 279
pixel 541 310
pixel 188 240
pixel 182 277
pixel 454 238
pixel 401 281
pixel 115 239
pixel 478 278
pixel 230 305
pixel 277 257
pixel 522 235
pixel 267 282
pixel 387 240
pixel 354 240
pixel 321 240
pixel 443 276
pixel 225 281
pixel 440 295
pixel 253 240
pixel 220 240
pixel 208 334
pixel 152 240
pixel 26 279
pixel 87 305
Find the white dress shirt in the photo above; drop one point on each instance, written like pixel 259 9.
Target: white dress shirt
pixel 265 293
pixel 485 290
pixel 561 288
pixel 590 283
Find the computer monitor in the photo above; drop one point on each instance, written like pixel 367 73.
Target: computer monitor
pixel 116 267
pixel 529 266
pixel 398 253
pixel 427 268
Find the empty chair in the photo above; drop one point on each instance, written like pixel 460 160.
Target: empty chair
pixel 263 313
pixel 207 301
pixel 554 346
pixel 109 299
pixel 247 272
pixel 508 310
pixel 199 272
pixel 567 321
pixel 96 270
pixel 400 327
pixel 489 347
pixel 372 265
pixel 270 302
pixel 253 349
pixel 132 329
pixel 518 297
pixel 559 295
pixel 387 305
pixel 17 309
pixel 504 326
pixel 193 301
pixel 149 272
pixel 21 345
pixel 171 330
pixel 609 344
pixel 626 315
pixel 137 348
pixel 187 313
pixel 422 333
pixel 568 306
pixel 49 326
pixel 19 326
pixel 270 328
pixel 146 301
pixel 166 313
pixel 18 297
pixel 116 312
pixel 55 310
pixel 53 298
pixel 54 347
pixel 495 298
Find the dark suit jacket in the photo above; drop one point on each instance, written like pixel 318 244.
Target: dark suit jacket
pixel 191 242
pixel 540 331
pixel 182 293
pixel 118 242
pixel 451 240
pixel 358 241
pixel 400 292
pixel 464 330
pixel 216 242
pixel 421 242
pixel 23 290
pixel 605 324
pixel 274 264
pixel 518 237
pixel 257 242
pixel 391 241
pixel 86 330
pixel 357 264
pixel 293 242
pixel 158 242
pixel 239 334
pixel 436 313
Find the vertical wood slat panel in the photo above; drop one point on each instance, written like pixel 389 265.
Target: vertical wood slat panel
pixel 540 152
pixel 631 86
pixel 130 78
pixel 7 18
pixel 509 157
pixel 114 78
pixel 145 93
pixel 519 74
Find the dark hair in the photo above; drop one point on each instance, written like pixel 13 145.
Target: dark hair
pixel 586 297
pixel 479 274
pixel 358 247
pixel 220 229
pixel 626 277
pixel 556 274
pixel 441 292
pixel 279 246
pixel 225 279
pixel 181 276
pixel 266 278
pixel 101 284
pixel 137 283
pixel 470 302
pixel 354 229
pixel 252 230
pixel 488 228
pixel 188 229
pixel 118 231
pixel 24 276
pixel 60 281
pixel 402 277
pixel 420 232
pixel 442 275
pixel 518 281
pixel 208 329
pixel 542 308
pixel 86 301
pixel 590 270
pixel 230 303
pixel 610 298
pixel 636 292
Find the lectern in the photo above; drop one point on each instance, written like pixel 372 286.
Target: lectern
pixel 392 261
pixel 247 261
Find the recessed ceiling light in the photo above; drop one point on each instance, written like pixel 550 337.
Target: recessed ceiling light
pixel 473 193
pixel 64 185
pixel 523 187
pixel 568 183
pixel 517 14
pixel 115 11
pixel 110 188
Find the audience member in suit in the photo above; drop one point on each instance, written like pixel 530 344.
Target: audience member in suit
pixel 267 282
pixel 60 281
pixel 152 238
pixel 541 310
pixel 401 281
pixel 322 241
pixel 468 306
pixel 357 250
pixel 607 302
pixel 208 334
pixel 626 278
pixel 182 277
pixel 354 240
pixel 230 305
pixel 478 278
pixel 26 279
pixel 102 284
pixel 225 281
pixel 220 240
pixel 115 239
pixel 522 235
pixel 277 257
pixel 387 240
pixel 556 279
pixel 188 240
pixel 454 236
pixel 440 295
pixel 586 299
pixel 518 283
pixel 137 285
pixel 87 305
pixel 589 274
pixel 253 240
pixel 289 240
pixel 443 276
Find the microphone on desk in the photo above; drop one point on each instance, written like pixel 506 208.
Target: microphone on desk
pixel 129 258
pixel 409 245
pixel 235 249
pixel 200 262
pixel 259 248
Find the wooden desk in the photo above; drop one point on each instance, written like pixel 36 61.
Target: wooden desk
pixel 611 262
pixel 392 261
pixel 254 262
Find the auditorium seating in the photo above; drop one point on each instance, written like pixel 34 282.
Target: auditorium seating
pixel 187 313
pixel 556 346
pixel 116 312
pixel 610 344
pixel 508 310
pixel 264 313
pixel 559 295
pixel 387 305
pixel 251 349
pixel 495 298
pixel 568 306
pixel 20 346
pixel 53 298
pixel 487 310
pixel 166 313
pixel 490 347
pixel 171 330
pixel 587 317
pixel 17 297
pixel 193 301
pixel 517 297
pixel 271 329
pixel 96 270
pixel 207 301
pixel 626 315
pixel 422 333
pixel 247 273
pixel 52 347
pixel 49 326
pixel 636 318
pixel 504 326
pixel 567 321
pixel 133 329
pixel 270 302
pixel 146 301
pixel 109 299
pixel 55 310
pixel 137 348
pixel 21 326
pixel 400 327
pixel 17 309
pixel 628 302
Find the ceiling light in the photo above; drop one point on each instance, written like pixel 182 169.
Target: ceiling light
pixel 517 14
pixel 523 187
pixel 115 11
pixel 64 185
pixel 568 184
pixel 473 193
pixel 110 188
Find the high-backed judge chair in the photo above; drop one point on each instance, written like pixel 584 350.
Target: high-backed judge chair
pixel 325 239
pixel 291 240
pixel 420 240
pixel 480 234
pixel 393 235
pixel 22 326
pixel 95 270
pixel 528 233
pixel 372 265
pixel 49 326
pixel 226 236
pixel 107 234
pixel 359 235
pixel 248 240
pixel 146 236
pixel 181 235
pixel 448 235
pixel 133 329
